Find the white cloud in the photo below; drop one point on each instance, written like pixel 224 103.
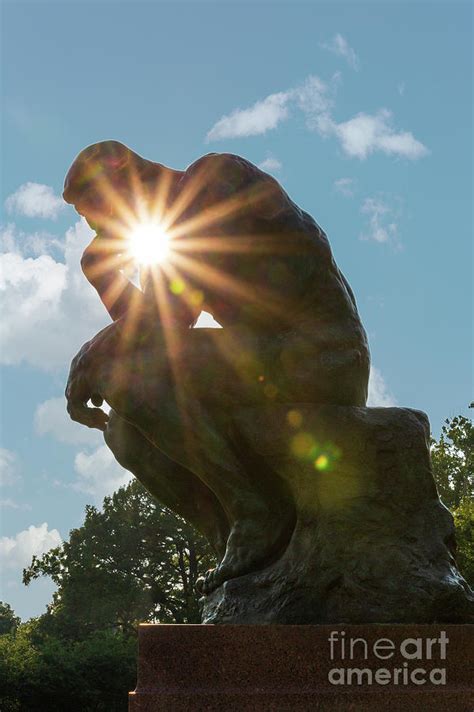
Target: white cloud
pixel 365 134
pixel 258 119
pixel 11 504
pixel 16 552
pixel 339 45
pixel 401 88
pixel 359 137
pixel 38 282
pixel 8 239
pixel 51 418
pixel 382 226
pixel 99 473
pixel 8 467
pixel 34 200
pixel 28 244
pixel 345 186
pixel 312 98
pixel 270 164
pixel 49 309
pixel 315 97
pixel 379 393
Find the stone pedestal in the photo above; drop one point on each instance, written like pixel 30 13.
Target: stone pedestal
pixel 239 668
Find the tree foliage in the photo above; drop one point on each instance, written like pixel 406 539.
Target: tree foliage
pixel 452 458
pixel 47 674
pixel 133 561
pixel 9 622
pixel 129 562
pixel 464 523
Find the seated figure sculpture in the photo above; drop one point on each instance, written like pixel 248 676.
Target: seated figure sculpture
pixel 319 509
pixel 241 250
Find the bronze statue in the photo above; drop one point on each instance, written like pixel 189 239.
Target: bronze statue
pixel 188 405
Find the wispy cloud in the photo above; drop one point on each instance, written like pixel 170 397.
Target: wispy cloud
pixel 51 418
pixel 379 393
pixel 382 226
pixel 345 186
pixel 339 45
pixel 311 97
pixel 359 137
pixel 271 165
pixel 11 504
pixel 315 97
pixel 28 244
pixel 401 88
pixel 99 474
pixel 365 134
pixel 35 200
pixel 8 467
pixel 263 116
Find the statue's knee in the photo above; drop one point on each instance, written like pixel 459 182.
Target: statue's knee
pixel 119 438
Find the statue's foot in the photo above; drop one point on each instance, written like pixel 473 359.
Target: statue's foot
pixel 209 582
pixel 253 544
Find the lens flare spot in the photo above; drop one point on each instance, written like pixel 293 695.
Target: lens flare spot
pixel 196 298
pixel 302 444
pixel 149 243
pixel 322 462
pixel 294 418
pixel 177 286
pixel 270 390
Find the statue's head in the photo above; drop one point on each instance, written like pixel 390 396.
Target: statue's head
pixel 101 171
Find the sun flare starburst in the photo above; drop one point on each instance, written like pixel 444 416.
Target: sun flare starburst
pixel 149 243
pixel 168 234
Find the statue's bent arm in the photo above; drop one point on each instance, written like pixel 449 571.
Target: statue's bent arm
pixel 101 267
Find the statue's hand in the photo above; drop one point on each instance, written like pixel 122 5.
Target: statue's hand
pixel 81 388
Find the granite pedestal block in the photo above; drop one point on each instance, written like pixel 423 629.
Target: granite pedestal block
pixel 252 668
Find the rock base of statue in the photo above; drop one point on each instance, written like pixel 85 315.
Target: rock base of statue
pixel 372 542
pixel 299 668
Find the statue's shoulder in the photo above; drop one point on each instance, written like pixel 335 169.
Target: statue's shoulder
pixel 227 168
pixel 223 158
pixel 218 176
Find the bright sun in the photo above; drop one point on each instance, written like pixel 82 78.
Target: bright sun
pixel 149 243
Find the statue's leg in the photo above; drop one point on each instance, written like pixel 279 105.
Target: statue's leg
pixel 183 409
pixel 256 504
pixel 170 483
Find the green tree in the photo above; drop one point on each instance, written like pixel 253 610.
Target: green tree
pixel 9 622
pixel 47 674
pixel 464 523
pixel 452 457
pixel 18 668
pixel 133 561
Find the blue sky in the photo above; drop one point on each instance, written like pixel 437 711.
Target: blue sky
pixel 362 110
